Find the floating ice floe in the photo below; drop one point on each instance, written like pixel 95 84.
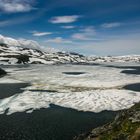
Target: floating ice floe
pixel 98 89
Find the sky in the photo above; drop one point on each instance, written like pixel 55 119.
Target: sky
pixel 90 27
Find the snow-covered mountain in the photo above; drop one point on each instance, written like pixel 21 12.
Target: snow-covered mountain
pixel 14 51
pixel 20 42
pixel 126 58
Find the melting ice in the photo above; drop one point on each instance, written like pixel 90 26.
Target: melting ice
pixel 95 88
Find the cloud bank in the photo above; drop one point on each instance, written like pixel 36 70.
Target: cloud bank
pixel 15 6
pixel 85 34
pixel 36 33
pixel 111 25
pixel 64 19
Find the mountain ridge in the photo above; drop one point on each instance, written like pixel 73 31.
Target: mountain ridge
pixel 23 51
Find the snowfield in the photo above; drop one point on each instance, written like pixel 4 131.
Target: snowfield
pixel 82 87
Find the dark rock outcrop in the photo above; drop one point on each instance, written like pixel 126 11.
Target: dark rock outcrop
pixel 2 72
pixel 126 126
pixel 3 45
pixel 23 59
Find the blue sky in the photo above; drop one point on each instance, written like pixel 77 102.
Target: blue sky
pixel 92 27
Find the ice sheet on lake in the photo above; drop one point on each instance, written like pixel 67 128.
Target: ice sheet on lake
pixel 98 89
pixel 94 101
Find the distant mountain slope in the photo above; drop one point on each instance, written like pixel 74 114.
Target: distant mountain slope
pixel 14 51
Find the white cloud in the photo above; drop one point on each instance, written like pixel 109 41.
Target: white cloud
pixel 111 25
pixel 58 40
pixel 79 36
pixel 15 6
pixel 68 27
pixel 36 33
pixel 64 19
pixel 85 34
pixel 19 42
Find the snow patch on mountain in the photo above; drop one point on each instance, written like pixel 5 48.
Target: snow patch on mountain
pixel 14 51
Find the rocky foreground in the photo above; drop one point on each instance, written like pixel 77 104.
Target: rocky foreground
pixel 126 126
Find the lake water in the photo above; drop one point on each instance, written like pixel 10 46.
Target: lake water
pixel 41 102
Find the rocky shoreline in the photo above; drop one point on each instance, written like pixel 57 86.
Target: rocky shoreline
pixel 126 126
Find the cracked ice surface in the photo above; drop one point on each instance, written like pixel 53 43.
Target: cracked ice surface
pixel 97 89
